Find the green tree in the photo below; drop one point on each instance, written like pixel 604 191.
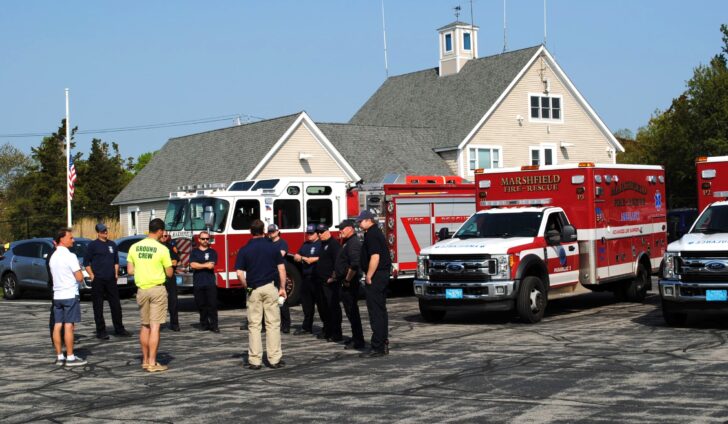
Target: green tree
pixel 142 161
pixel 101 177
pixel 695 124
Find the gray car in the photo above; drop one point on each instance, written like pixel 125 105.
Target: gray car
pixel 23 267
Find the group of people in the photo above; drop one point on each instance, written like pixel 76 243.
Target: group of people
pixel 331 276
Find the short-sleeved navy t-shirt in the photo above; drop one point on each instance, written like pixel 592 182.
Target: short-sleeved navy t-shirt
pixel 259 259
pixel 281 245
pixel 374 244
pixel 203 277
pixel 102 256
pixel 309 249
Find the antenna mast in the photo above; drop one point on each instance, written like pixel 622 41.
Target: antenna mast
pixel 472 30
pixel 544 22
pixel 384 34
pixel 505 30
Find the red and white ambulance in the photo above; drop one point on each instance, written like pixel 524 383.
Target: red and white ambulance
pixel 408 210
pixel 548 232
pixel 695 273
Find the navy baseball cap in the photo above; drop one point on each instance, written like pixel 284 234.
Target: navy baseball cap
pixel 365 214
pixel 346 223
pixel 100 227
pixel 311 228
pixel 322 228
pixel 272 228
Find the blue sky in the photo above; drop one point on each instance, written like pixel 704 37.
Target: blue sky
pixel 134 63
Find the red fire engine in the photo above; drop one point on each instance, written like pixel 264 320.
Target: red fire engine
pixel 408 210
pixel 712 177
pixel 548 232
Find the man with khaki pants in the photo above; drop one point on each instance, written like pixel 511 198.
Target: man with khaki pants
pixel 258 265
pixel 151 265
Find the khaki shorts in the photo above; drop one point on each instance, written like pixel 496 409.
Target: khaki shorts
pixel 152 305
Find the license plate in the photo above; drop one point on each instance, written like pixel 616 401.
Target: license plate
pixel 178 279
pixel 121 281
pixel 716 295
pixel 453 293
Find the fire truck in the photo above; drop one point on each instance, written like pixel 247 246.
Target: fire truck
pixel 546 232
pixel 408 208
pixel 695 271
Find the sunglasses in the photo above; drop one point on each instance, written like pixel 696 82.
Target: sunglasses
pixel 204 239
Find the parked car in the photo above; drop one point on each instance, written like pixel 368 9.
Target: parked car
pixel 23 268
pixel 679 222
pixel 125 243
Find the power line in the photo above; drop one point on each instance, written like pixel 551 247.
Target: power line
pixel 139 127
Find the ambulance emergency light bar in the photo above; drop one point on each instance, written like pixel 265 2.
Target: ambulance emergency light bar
pixel 518 202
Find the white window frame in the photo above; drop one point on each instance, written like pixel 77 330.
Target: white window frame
pixel 546 120
pixel 452 43
pixel 133 210
pixel 541 149
pixel 491 147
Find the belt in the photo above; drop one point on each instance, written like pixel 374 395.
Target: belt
pixel 264 284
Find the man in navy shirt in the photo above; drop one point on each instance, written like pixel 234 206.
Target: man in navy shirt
pixel 102 265
pixel 204 284
pixel 171 282
pixel 330 286
pixel 259 266
pixel 274 235
pixel 308 255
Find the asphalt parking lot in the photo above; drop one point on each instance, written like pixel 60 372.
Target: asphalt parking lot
pixel 590 360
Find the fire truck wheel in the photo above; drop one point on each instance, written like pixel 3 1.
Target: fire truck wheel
pixel 431 315
pixel 532 300
pixel 637 288
pixel 673 319
pixel 293 284
pixel 11 291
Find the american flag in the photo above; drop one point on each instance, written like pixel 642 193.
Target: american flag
pixel 71 177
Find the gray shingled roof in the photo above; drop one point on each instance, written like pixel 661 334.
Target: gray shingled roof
pixel 454 103
pixel 219 156
pixel 376 151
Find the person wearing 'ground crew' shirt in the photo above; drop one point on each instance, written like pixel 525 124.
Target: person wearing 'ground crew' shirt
pixel 151 265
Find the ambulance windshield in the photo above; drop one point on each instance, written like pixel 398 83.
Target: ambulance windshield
pixel 713 220
pixel 501 225
pixel 188 215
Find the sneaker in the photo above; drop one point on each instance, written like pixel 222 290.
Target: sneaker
pixel 285 330
pixel 215 330
pixel 60 362
pixel 354 345
pixel 102 336
pixel 123 333
pixel 301 331
pixel 174 327
pixel 254 367
pixel 75 362
pixel 146 366
pixel 279 364
pixel 157 367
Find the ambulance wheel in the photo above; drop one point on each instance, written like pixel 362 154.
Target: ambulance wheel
pixel 673 319
pixel 532 299
pixel 431 315
pixel 636 289
pixel 293 284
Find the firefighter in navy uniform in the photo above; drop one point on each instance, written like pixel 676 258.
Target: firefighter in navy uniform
pixel 308 255
pixel 376 264
pixel 330 286
pixel 348 273
pixel 204 283
pixel 171 282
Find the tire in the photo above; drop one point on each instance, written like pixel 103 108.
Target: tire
pixel 673 319
pixel 11 291
pixel 293 284
pixel 636 290
pixel 532 300
pixel 431 315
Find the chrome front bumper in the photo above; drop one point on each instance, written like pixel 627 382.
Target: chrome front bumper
pixel 472 290
pixel 684 292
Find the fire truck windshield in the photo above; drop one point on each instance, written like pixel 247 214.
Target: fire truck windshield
pixel 713 220
pixel 501 225
pixel 188 215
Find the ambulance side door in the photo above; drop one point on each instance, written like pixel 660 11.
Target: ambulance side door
pixel 562 259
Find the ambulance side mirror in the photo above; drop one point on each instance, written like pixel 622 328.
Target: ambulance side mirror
pixel 443 234
pixel 568 234
pixel 553 237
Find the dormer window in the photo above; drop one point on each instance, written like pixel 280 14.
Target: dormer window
pixel 466 41
pixel 448 42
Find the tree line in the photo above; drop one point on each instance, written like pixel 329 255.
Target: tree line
pixel 33 186
pixel 695 124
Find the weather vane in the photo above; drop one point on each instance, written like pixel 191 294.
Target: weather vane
pixel 457 12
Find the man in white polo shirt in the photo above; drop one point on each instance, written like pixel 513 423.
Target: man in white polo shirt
pixel 66 272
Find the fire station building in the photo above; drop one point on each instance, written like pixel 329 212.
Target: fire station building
pixel 509 109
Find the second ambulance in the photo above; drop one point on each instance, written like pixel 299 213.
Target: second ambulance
pixel 548 232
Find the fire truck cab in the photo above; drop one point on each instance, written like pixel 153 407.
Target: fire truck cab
pixel 695 271
pixel 547 232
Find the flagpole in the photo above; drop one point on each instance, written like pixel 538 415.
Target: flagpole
pixel 68 161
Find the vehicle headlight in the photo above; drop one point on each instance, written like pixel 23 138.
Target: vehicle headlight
pixel 422 267
pixel 670 270
pixel 502 267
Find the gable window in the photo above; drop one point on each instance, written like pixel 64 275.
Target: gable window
pixel 448 42
pixel 544 154
pixel 466 41
pixel 545 107
pixel 486 157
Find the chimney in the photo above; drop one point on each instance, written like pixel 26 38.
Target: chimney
pixel 458 44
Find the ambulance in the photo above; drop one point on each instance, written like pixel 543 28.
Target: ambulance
pixel 547 232
pixel 695 271
pixel 407 207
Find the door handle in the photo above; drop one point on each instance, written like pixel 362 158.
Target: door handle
pixel 571 248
